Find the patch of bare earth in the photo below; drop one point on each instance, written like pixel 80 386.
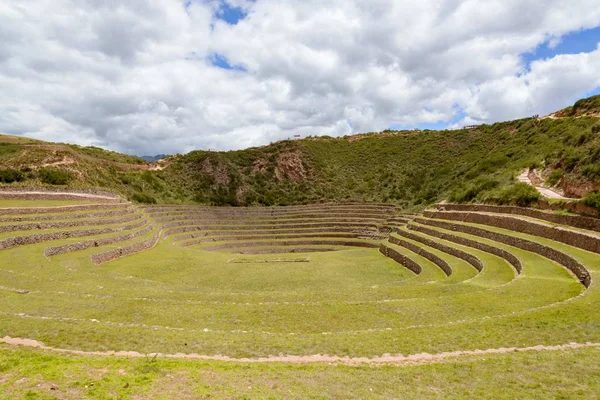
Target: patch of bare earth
pixel 398 359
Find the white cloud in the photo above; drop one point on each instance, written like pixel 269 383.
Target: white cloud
pixel 136 77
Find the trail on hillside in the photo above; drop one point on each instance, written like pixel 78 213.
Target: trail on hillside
pixel 549 193
pixel 399 359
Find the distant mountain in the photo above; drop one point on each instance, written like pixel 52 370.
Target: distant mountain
pixel 153 158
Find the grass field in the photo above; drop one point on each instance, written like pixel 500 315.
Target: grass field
pixel 351 303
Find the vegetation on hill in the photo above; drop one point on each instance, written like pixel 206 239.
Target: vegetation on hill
pixel 409 168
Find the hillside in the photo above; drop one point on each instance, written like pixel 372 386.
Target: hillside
pixel 408 168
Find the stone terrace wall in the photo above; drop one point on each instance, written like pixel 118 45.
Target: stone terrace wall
pixel 291 243
pixel 67 224
pixel 204 234
pixel 329 227
pixel 16 241
pixel 400 258
pixel 70 247
pixel 545 251
pixel 59 209
pixel 443 265
pixel 58 190
pixel 63 196
pixel 105 214
pixel 508 256
pixel 470 258
pixel 577 239
pixel 571 220
pixel 133 248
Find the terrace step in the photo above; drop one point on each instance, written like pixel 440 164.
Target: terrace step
pixel 559 257
pixel 583 240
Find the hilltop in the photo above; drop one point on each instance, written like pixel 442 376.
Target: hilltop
pixel 408 168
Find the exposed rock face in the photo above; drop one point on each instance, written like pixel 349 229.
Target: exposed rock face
pixel 217 170
pixel 289 165
pixel 260 166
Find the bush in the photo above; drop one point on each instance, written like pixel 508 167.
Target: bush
pixel 596 128
pixel 592 200
pixel 520 194
pixel 11 175
pixel 555 177
pixel 143 198
pixel 54 176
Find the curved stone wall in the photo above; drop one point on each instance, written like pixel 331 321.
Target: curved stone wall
pixel 577 239
pixel 86 244
pixel 545 251
pixel 16 241
pixel 443 265
pixel 58 209
pixel 400 258
pixel 105 214
pixel 470 258
pixel 133 248
pixel 575 221
pixel 291 243
pixel 328 227
pixel 508 256
pixel 67 224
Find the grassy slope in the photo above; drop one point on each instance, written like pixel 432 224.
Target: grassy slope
pixel 408 168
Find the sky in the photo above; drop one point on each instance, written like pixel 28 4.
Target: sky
pixel 170 76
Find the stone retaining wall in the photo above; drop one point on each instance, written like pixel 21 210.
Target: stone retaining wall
pixel 234 224
pixel 58 190
pixel 286 251
pixel 576 221
pixel 265 232
pixel 470 258
pixel 105 214
pixel 443 265
pixel 508 256
pixel 16 241
pixel 229 217
pixel 58 209
pixel 86 244
pixel 234 229
pixel 67 224
pixel 291 243
pixel 400 258
pixel 577 239
pixel 545 251
pixel 208 239
pixel 64 196
pixel 133 248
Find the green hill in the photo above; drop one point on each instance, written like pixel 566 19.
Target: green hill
pixel 409 168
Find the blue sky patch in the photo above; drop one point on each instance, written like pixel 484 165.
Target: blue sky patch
pixel 439 125
pixel 229 14
pixel 220 61
pixel 573 43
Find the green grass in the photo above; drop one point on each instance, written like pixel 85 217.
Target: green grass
pixel 569 374
pixel 351 302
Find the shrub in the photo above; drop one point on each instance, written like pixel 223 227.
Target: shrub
pixel 143 198
pixel 555 177
pixel 592 200
pixel 11 175
pixel 54 176
pixel 520 194
pixel 596 128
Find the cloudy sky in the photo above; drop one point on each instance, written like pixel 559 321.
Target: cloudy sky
pixel 167 76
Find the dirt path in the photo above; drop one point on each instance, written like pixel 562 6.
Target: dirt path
pixel 524 177
pixel 399 359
